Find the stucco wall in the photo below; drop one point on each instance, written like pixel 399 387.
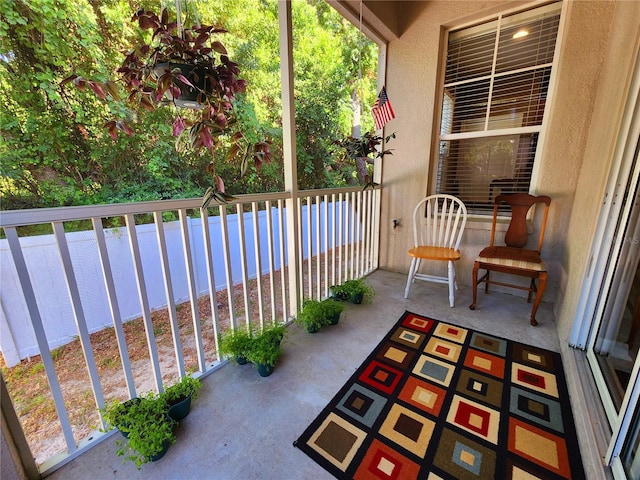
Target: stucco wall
pixel 412 85
pixel 621 51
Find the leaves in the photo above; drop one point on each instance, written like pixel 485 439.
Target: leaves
pixel 58 132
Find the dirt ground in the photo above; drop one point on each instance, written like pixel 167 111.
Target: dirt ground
pixel 28 386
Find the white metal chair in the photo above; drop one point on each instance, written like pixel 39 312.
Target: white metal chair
pixel 438 225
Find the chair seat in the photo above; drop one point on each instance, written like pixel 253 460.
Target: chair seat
pixel 435 253
pixel 512 257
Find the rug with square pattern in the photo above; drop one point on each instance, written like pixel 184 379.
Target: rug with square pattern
pixel 437 401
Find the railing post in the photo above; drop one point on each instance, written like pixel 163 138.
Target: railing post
pixel 289 150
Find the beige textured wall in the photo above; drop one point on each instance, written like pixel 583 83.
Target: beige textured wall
pixel 622 49
pixel 412 83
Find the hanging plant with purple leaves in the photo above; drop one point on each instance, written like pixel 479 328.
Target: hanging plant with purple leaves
pixel 189 69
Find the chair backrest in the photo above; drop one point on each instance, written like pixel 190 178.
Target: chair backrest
pixel 520 204
pixel 439 221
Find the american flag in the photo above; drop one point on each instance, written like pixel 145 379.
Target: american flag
pixel 381 110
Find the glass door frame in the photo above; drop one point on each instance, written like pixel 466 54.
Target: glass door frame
pixel 602 274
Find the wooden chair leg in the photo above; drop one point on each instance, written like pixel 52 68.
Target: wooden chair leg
pixel 486 281
pixel 474 284
pixel 542 284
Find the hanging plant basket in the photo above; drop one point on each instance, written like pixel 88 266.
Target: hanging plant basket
pixel 191 94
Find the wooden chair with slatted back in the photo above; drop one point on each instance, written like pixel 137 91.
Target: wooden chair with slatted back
pixel 438 225
pixel 513 258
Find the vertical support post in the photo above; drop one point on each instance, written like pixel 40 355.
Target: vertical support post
pixel 289 149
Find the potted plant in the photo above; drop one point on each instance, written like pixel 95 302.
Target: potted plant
pixel 149 431
pixel 264 354
pixel 315 314
pixel 331 311
pixel 115 415
pixel 311 316
pixel 360 150
pixel 357 290
pixel 180 395
pixel 235 343
pixel 276 332
pixel 336 292
pixel 179 61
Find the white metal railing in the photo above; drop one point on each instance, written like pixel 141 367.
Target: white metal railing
pixel 337 240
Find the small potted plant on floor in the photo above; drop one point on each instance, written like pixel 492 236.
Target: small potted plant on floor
pixel 149 431
pixel 311 316
pixel 357 290
pixel 264 354
pixel 235 343
pixel 180 395
pixel 331 311
pixel 115 415
pixel 275 331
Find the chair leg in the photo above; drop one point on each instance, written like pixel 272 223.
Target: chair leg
pixel 486 282
pixel 474 284
pixel 412 271
pixel 542 284
pixel 452 280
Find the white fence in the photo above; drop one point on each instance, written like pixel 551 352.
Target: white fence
pixel 17 338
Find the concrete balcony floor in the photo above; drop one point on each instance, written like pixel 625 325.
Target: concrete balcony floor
pixel 242 426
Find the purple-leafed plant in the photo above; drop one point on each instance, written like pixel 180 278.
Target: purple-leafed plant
pixel 189 69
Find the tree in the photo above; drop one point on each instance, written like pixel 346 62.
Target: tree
pixel 54 150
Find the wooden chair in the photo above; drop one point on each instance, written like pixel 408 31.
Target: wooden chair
pixel 513 258
pixel 438 224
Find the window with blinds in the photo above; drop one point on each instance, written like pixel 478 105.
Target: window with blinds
pixel 495 91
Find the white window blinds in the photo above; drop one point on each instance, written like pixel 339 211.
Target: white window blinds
pixel 495 90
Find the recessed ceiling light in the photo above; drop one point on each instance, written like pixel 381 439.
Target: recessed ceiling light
pixel 521 34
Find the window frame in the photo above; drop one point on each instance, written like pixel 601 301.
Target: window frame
pixel 481 22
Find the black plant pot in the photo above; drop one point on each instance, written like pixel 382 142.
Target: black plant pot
pixel 165 446
pixel 264 370
pixel 180 410
pixel 313 328
pixel 357 298
pixel 335 319
pixel 240 360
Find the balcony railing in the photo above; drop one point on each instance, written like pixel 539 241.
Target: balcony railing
pixel 143 290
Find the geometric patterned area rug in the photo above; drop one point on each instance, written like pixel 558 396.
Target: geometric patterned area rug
pixel 436 401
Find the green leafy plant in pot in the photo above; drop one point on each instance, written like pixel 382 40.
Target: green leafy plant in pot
pixel 180 395
pixel 276 332
pixel 149 431
pixel 235 343
pixel 357 291
pixel 116 415
pixel 331 311
pixel 264 353
pixel 311 317
pixel 175 62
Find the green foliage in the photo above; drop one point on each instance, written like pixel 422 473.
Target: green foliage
pixel 358 286
pixel 235 342
pixel 148 428
pixel 263 350
pixel 54 150
pixel 315 314
pixel 188 386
